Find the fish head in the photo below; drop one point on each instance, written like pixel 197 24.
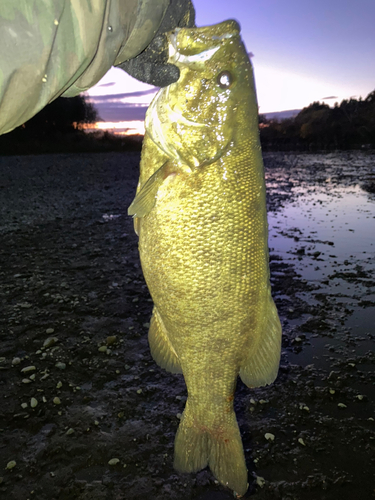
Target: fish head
pixel 197 119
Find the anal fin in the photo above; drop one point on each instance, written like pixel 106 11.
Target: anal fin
pixel 161 347
pixel 261 365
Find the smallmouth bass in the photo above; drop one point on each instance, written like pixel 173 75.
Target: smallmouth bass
pixel 200 213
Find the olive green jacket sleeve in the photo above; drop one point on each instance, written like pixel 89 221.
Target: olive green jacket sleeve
pixel 50 48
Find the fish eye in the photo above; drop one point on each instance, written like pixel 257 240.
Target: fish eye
pixel 225 80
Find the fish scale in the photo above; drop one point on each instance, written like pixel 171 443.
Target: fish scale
pixel 203 246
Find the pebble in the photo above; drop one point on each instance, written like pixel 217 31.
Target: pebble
pixel 341 405
pixel 50 330
pixel 260 481
pixel 50 341
pixel 301 441
pixel 26 381
pixel 24 405
pixel 33 402
pixel 16 361
pixel 111 339
pixel 28 369
pixel 11 464
pixel 269 436
pixel 59 384
pixel 102 348
pixel 113 461
pixel 139 391
pixel 70 431
pixel 60 365
pixel 56 401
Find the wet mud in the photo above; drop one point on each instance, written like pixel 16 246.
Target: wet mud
pixel 86 413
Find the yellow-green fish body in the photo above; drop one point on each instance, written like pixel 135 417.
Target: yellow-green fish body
pixel 200 212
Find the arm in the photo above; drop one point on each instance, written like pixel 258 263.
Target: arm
pixel 63 47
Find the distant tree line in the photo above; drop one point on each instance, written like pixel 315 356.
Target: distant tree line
pixel 59 127
pixel 61 116
pixel 348 125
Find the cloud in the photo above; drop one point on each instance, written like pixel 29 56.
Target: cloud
pixel 126 106
pixel 110 84
pixel 330 97
pixel 113 97
pixel 118 111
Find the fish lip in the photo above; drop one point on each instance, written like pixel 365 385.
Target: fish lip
pixel 176 57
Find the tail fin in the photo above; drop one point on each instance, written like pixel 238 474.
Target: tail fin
pixel 196 445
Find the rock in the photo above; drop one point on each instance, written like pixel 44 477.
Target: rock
pixel 56 401
pixel 33 402
pixel 113 461
pixel 28 369
pixel 16 361
pixel 260 481
pixel 269 436
pixel 50 341
pixel 60 365
pixel 50 330
pixel 11 464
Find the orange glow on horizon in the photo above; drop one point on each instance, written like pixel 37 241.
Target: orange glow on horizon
pixel 131 127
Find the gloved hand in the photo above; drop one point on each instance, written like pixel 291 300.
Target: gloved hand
pixel 151 65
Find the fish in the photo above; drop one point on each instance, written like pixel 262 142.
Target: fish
pixel 200 214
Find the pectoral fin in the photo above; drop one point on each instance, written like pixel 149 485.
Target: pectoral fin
pixel 145 200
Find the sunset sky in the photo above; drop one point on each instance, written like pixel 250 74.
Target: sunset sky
pixel 303 52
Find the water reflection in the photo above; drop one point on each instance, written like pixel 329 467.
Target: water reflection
pixel 325 230
pixel 328 235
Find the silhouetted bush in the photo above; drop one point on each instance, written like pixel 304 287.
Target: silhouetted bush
pixel 59 128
